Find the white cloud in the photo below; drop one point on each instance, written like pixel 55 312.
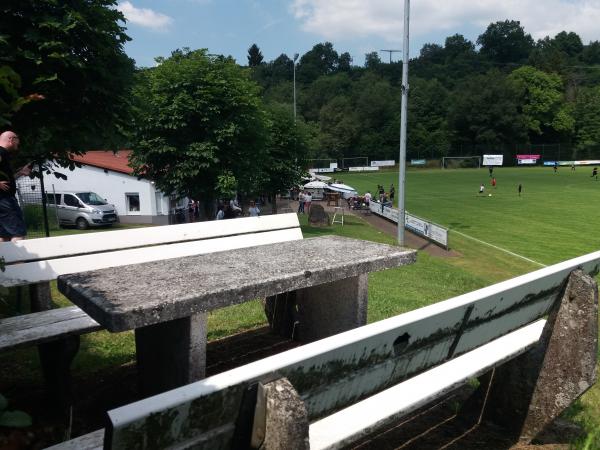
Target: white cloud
pixel 145 17
pixel 344 19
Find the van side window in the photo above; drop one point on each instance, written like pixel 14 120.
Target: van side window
pixel 50 199
pixel 71 200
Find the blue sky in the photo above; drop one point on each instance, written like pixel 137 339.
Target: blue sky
pixel 229 27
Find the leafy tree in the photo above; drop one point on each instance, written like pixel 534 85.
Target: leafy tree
pixel 457 45
pixel 541 97
pixel 340 127
pixel 273 73
pixel 591 53
pixel 288 150
pixel 505 42
pixel 255 56
pixel 427 123
pixel 320 92
pixel 345 62
pixel 70 56
pixel 377 106
pixel 484 110
pixel 200 127
pixel 372 60
pixel 587 115
pixel 432 54
pixel 570 43
pixel 322 59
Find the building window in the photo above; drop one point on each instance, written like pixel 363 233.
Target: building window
pixel 133 203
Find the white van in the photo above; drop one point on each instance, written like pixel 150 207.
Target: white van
pixel 82 209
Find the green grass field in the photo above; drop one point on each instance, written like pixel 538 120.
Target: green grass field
pixel 554 220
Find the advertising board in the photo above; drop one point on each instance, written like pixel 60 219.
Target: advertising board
pixel 417 225
pixel 389 162
pixel 418 162
pixel 493 160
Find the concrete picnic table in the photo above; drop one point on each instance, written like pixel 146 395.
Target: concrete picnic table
pixel 167 302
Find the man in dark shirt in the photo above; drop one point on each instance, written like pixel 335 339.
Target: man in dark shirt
pixel 12 225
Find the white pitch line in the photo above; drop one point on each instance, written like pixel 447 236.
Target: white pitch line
pixel 499 248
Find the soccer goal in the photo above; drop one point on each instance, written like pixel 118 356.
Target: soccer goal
pixel 461 162
pixel 322 165
pixel 357 161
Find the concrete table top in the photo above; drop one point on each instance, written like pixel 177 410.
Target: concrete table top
pixel 134 296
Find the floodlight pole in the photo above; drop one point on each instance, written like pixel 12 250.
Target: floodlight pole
pixel 403 121
pixel 295 59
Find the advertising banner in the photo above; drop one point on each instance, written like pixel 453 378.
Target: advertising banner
pixel 492 160
pixel 527 161
pixel 529 157
pixel 363 169
pixel 383 163
pixel 418 162
pixel 422 227
pixel 322 170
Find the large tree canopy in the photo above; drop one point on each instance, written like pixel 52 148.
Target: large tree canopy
pixel 69 56
pixel 540 95
pixel 505 42
pixel 200 127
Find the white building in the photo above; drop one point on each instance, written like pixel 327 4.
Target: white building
pixel 108 174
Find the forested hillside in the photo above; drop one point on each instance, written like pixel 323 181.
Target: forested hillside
pixel 504 93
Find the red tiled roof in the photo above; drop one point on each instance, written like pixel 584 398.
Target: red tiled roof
pixel 118 162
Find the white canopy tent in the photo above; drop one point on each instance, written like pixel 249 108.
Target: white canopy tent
pixel 316 189
pixel 344 190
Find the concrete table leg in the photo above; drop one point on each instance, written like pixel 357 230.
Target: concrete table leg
pixel 280 418
pixel 530 391
pixel 171 354
pixel 320 311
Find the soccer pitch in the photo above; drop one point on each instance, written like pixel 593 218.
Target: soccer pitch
pixel 554 219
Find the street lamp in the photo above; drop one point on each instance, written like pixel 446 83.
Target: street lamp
pixel 295 59
pixel 403 116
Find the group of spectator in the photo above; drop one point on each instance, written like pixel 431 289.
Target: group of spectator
pixel 304 202
pixel 232 209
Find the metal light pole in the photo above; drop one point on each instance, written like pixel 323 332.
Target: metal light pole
pixel 403 117
pixel 295 59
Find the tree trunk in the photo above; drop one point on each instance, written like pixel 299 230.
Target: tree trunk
pixel 274 203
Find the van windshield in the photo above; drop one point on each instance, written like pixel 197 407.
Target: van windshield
pixel 91 198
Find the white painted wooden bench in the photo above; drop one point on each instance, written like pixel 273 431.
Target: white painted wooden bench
pixel 35 262
pixel 540 330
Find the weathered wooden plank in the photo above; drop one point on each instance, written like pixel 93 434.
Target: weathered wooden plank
pixel 35 272
pixel 44 326
pixel 360 419
pixel 335 372
pixel 63 246
pixel 90 441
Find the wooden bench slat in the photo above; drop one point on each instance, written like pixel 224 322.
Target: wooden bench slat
pixel 360 419
pixel 61 246
pixel 90 441
pixel 35 272
pixel 44 326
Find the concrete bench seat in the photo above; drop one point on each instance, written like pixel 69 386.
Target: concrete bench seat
pixel 531 340
pixel 35 262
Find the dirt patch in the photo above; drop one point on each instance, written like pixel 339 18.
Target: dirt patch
pixel 411 240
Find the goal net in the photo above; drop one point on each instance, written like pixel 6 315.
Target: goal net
pixel 461 162
pixel 357 161
pixel 324 163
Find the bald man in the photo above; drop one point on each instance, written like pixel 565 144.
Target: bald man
pixel 12 225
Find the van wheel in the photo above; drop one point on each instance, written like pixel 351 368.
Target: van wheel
pixel 81 223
